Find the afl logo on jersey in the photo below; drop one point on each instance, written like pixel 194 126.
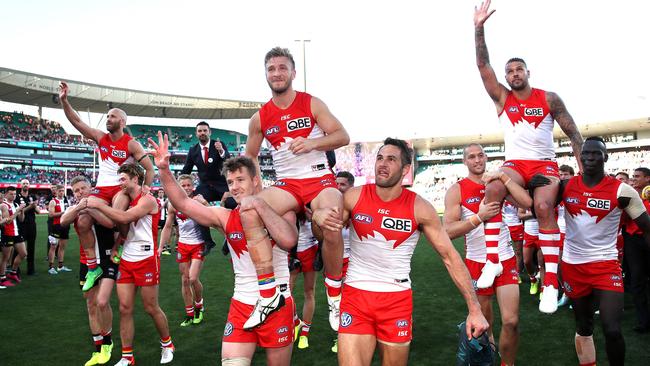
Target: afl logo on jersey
pixel 573 200
pixel 533 112
pixel 272 130
pixel 513 109
pixel 598 204
pixel 120 154
pixel 235 236
pixel 299 124
pixel 402 323
pixel 396 224
pixel 363 218
pixel 282 330
pixel 103 149
pixel 471 200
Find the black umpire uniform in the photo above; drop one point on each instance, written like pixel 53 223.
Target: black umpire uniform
pixel 27 228
pixel 212 184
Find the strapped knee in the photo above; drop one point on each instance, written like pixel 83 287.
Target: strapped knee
pixel 235 361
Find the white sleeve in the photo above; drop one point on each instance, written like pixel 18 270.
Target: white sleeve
pixel 635 208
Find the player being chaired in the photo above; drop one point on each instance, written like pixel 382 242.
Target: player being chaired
pixel 527 117
pixel 115 149
pixel 189 255
pixel 276 335
pixel 301 129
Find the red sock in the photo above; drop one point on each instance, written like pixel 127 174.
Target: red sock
pixel 91 262
pixel 266 282
pixel 305 329
pixel 549 243
pixel 189 311
pixel 333 285
pixel 97 340
pixel 199 305
pixel 167 342
pixel 492 229
pixel 588 364
pixel 127 353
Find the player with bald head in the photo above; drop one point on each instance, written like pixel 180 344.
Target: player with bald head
pixel 115 149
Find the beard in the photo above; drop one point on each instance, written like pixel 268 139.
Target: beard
pixel 521 86
pixel 204 139
pixel 389 182
pixel 280 90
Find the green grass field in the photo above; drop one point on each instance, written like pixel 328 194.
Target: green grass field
pixel 45 320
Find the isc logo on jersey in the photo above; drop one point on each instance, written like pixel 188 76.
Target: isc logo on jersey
pixel 396 224
pixel 598 204
pixel 299 124
pixel 533 112
pixel 121 154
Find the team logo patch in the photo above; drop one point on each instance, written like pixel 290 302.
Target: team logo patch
pixel 282 330
pixel 396 224
pixel 103 149
pixel 272 130
pixel 237 235
pixel 280 184
pixel 363 218
pixel 616 278
pixel 179 256
pixel 228 329
pixel 326 182
pixel 472 200
pixel 94 191
pixel 299 124
pixel 346 320
pixel 148 275
pixel 508 163
pixel 513 109
pixel 402 323
pixel 567 288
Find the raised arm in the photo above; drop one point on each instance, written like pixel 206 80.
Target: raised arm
pixel 205 216
pixel 566 123
pixel 137 151
pixel 495 90
pixel 430 226
pixel 87 131
pixel 452 220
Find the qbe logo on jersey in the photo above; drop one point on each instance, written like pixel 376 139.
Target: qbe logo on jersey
pixel 396 224
pixel 533 112
pixel 598 204
pixel 299 124
pixel 121 154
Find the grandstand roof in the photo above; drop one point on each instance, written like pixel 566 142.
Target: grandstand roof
pixel 588 129
pixel 39 90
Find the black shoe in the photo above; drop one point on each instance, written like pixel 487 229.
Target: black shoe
pixel 207 247
pixel 642 329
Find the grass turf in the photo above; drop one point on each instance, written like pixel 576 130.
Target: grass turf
pixel 46 320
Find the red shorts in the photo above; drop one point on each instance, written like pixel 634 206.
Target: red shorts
pixel 305 190
pixel 277 330
pixel 531 241
pixel 386 315
pixel 307 258
pixel 186 252
pixel 105 193
pixel 580 279
pixel 344 269
pixel 516 232
pixel 141 273
pixel 528 168
pixel 509 276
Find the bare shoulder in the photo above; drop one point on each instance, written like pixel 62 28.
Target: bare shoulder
pixel 424 210
pixel 351 197
pixel 255 119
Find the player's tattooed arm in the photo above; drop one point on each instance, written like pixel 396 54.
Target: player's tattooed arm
pixel 568 126
pixel 495 90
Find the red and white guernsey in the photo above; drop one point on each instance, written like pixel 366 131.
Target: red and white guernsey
pixel 471 195
pixel 592 220
pixel 306 238
pixel 561 222
pixel 59 207
pixel 112 154
pixel 509 214
pixel 10 228
pixel 246 285
pixel 281 126
pixel 142 241
pixel 383 236
pixel 528 127
pixel 345 233
pixel 188 230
